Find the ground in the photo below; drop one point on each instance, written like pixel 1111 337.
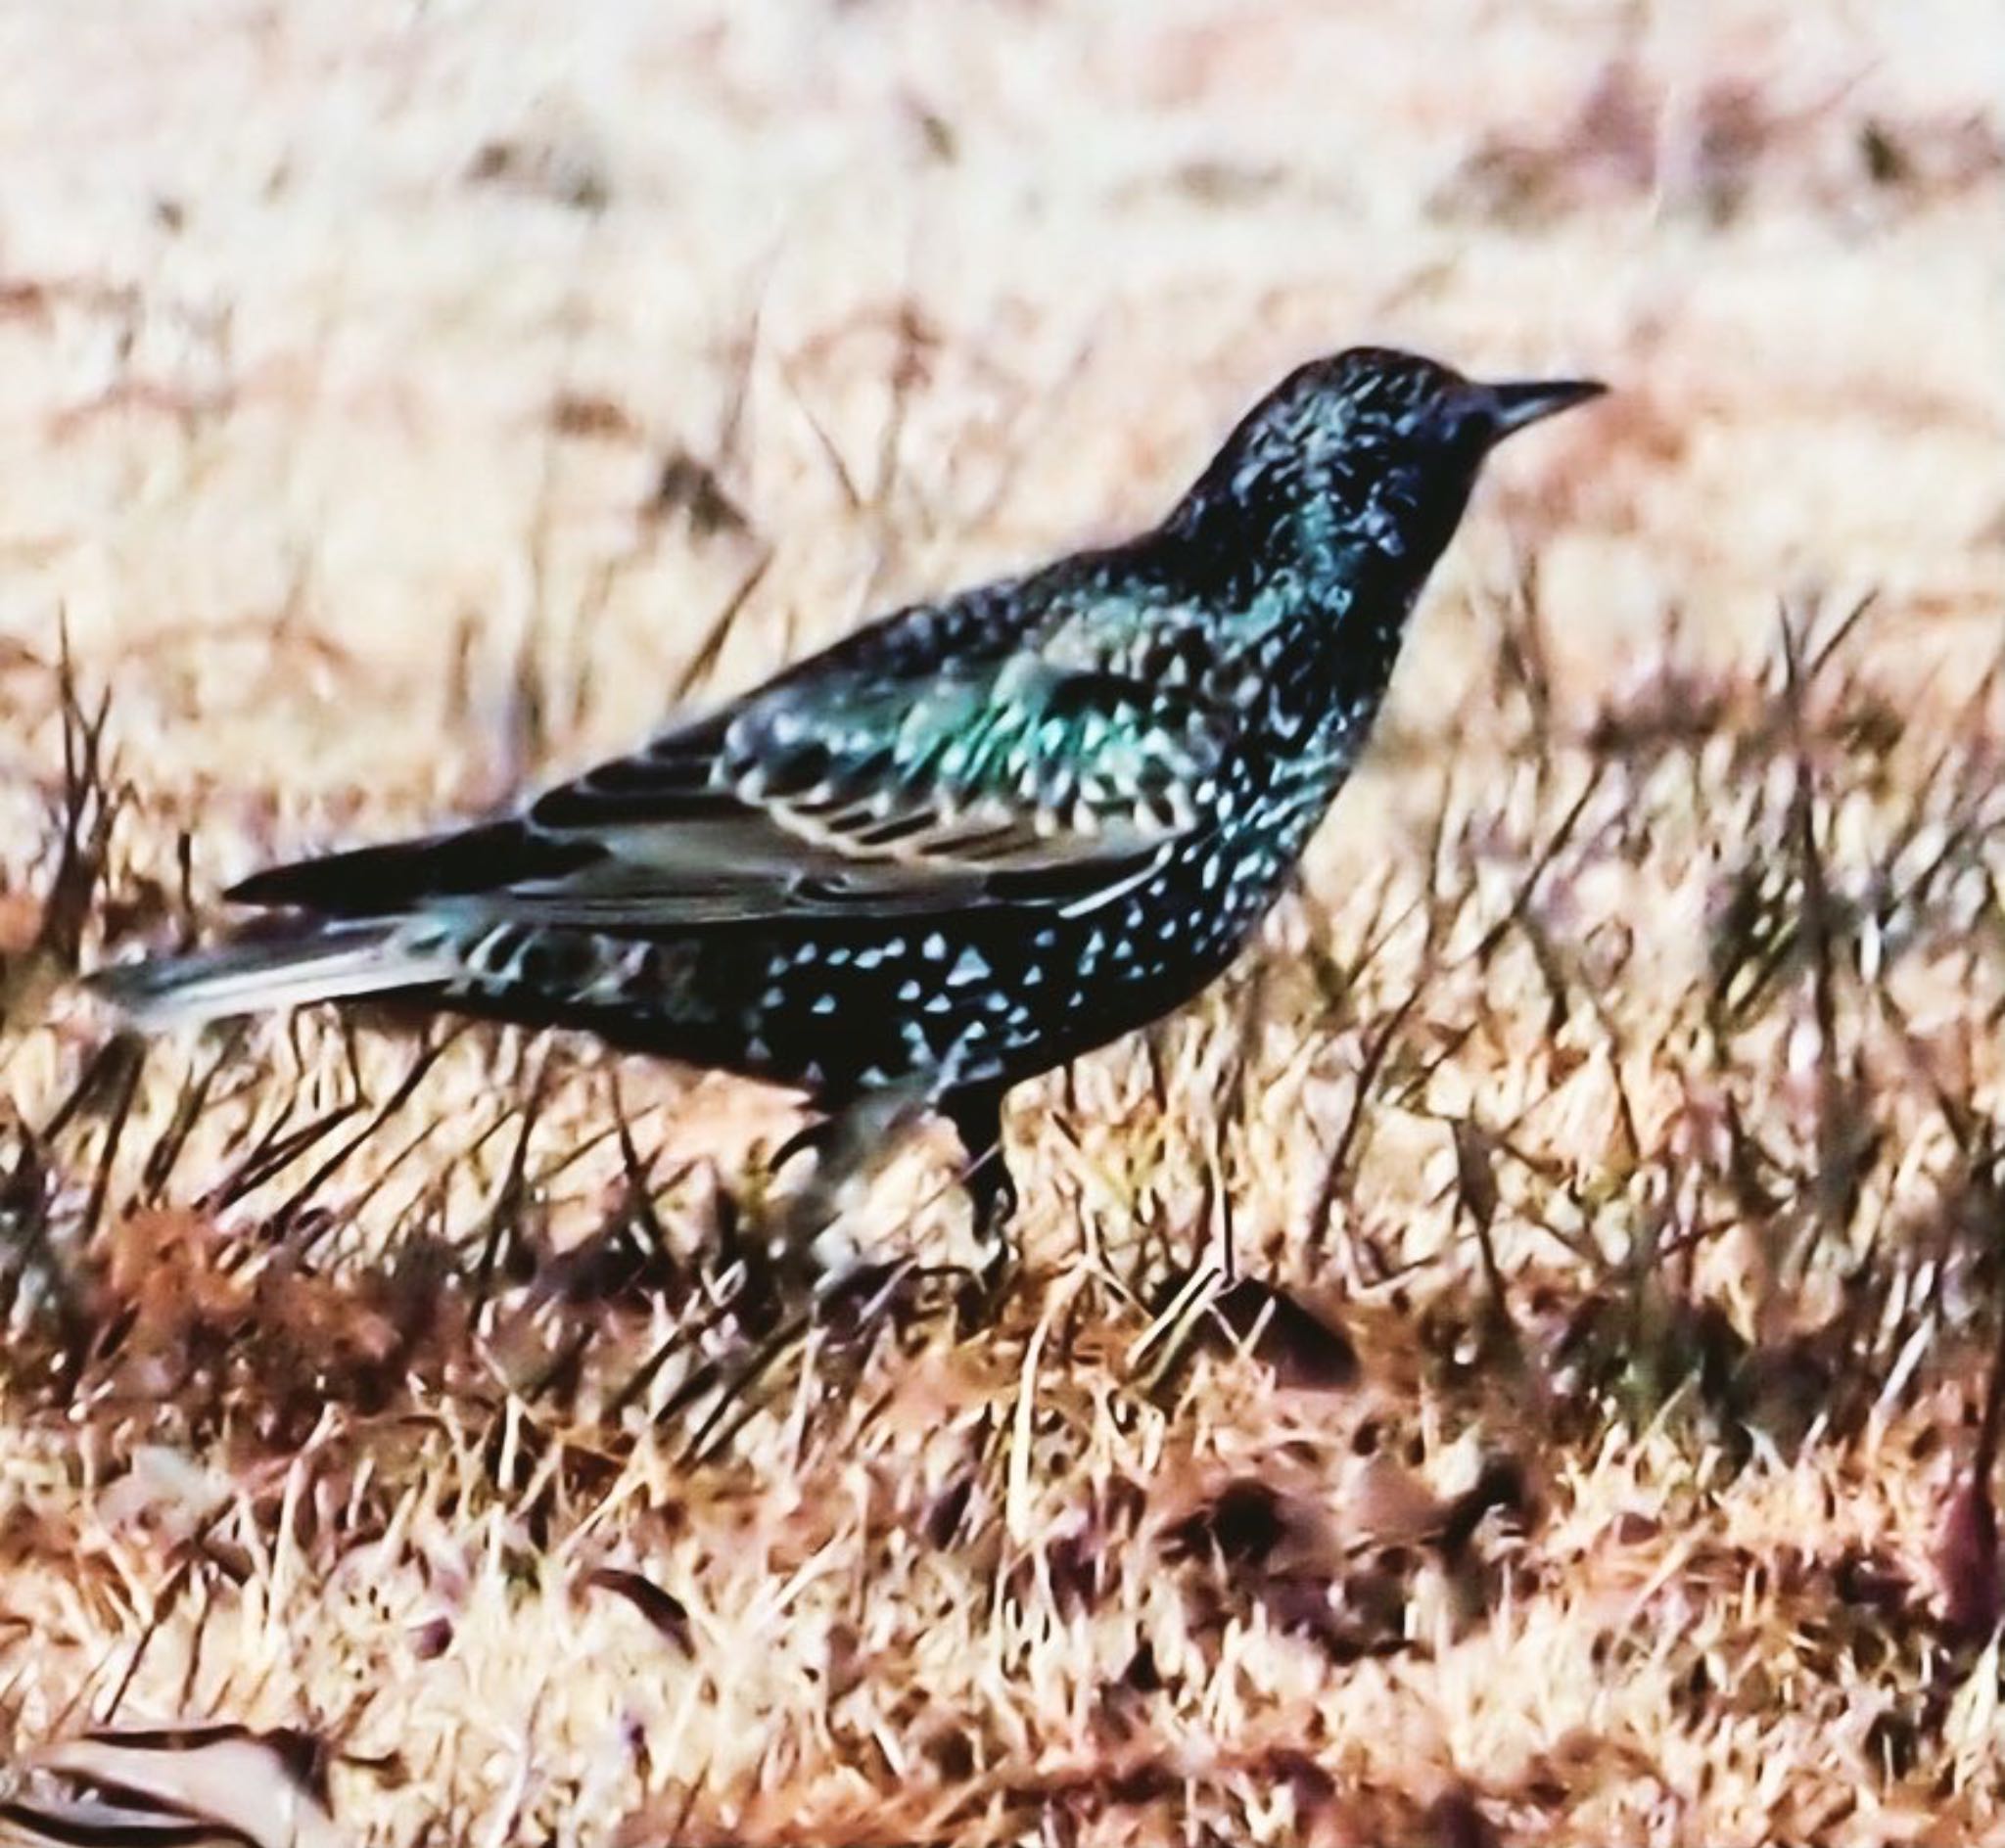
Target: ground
pixel 409 401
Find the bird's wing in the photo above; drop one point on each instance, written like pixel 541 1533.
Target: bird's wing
pixel 873 792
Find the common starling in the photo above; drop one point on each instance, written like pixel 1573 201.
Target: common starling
pixel 969 842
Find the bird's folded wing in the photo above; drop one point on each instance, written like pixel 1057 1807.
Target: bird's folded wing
pixel 868 793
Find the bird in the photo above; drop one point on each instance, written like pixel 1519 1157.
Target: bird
pixel 970 840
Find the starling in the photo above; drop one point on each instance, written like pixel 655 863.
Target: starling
pixel 969 842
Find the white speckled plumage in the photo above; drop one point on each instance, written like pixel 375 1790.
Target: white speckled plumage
pixel 977 837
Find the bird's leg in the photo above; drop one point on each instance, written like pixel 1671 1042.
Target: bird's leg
pixel 976 1113
pixel 845 1142
pixel 859 1132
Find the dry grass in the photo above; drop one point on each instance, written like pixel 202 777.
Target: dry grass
pixel 404 404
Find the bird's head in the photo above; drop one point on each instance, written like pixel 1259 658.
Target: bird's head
pixel 1367 454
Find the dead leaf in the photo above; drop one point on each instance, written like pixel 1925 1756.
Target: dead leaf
pixel 667 1612
pixel 267 1789
pixel 1306 1350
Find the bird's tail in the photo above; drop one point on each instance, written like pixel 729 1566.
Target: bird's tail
pixel 335 962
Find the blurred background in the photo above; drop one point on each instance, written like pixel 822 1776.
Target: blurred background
pixel 640 342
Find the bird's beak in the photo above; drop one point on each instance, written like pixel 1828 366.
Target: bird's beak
pixel 1516 404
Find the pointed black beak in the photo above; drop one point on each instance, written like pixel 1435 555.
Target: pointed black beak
pixel 1517 405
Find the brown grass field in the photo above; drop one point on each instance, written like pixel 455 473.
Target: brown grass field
pixel 404 403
